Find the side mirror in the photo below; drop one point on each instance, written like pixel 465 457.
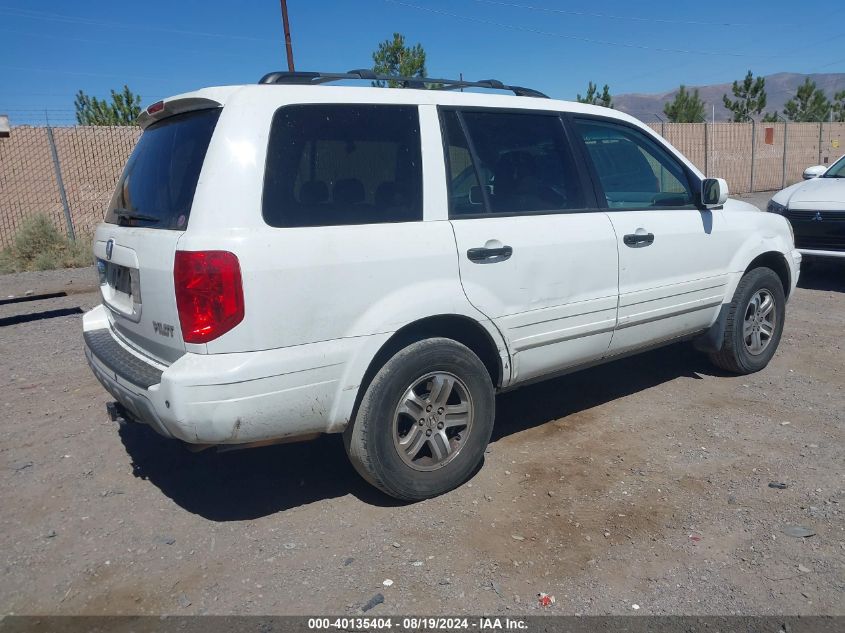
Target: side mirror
pixel 814 172
pixel 714 192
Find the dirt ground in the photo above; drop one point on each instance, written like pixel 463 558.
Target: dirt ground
pixel 643 482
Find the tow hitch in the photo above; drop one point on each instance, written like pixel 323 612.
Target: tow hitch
pixel 118 413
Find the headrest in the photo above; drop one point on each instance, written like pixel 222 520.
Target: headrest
pixel 313 192
pixel 348 191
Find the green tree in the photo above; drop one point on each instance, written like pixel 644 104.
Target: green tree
pixel 686 108
pixel 124 108
pixel 750 98
pixel 839 107
pixel 771 117
pixel 592 97
pixel 808 104
pixel 394 58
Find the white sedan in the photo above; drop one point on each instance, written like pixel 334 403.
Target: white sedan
pixel 816 210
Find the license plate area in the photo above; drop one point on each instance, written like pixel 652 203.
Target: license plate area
pixel 119 278
pixel 121 289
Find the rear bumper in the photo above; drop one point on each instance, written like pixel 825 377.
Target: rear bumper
pixel 220 398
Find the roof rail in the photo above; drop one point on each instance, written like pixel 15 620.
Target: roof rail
pixel 303 78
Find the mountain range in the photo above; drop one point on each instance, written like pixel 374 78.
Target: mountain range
pixel 780 87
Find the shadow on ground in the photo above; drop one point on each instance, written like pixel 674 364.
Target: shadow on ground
pixel 822 274
pixel 257 482
pixel 531 406
pixel 247 484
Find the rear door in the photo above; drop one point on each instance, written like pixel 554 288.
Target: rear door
pixel 674 257
pixel 533 258
pixel 148 213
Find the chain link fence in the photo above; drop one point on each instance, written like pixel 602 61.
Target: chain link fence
pixel 65 173
pixel 68 173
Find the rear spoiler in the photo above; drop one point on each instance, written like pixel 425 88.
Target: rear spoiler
pixel 163 109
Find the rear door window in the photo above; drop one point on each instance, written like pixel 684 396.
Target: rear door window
pixel 158 183
pixel 343 164
pixel 513 162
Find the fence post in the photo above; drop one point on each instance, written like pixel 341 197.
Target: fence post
pixel 58 169
pixel 753 152
pixel 821 123
pixel 706 151
pixel 783 174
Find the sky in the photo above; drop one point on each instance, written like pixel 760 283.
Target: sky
pixel 50 49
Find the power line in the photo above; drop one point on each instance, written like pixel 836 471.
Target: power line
pixel 838 61
pixel 83 74
pixel 51 37
pixel 608 16
pixel 7 95
pixel 197 51
pixel 579 38
pixel 71 19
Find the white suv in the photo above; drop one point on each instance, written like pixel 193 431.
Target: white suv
pixel 287 259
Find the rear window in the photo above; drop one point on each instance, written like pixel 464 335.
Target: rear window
pixel 158 184
pixel 343 164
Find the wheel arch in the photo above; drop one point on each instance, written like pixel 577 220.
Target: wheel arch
pixel 777 262
pixel 460 328
pixel 457 327
pixel 713 339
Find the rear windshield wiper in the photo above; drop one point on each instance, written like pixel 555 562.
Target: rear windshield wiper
pixel 126 214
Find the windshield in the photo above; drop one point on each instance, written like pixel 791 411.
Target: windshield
pixel 837 170
pixel 157 186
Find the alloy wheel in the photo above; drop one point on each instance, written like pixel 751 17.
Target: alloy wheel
pixel 432 421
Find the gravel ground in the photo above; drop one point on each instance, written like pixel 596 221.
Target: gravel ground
pixel 642 482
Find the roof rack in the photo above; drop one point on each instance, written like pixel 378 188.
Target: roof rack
pixel 302 78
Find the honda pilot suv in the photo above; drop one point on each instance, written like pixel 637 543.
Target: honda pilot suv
pixel 287 259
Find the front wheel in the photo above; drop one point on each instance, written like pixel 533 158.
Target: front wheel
pixel 424 420
pixel 754 323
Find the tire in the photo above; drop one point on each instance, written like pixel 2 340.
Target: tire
pixel 738 354
pixel 439 451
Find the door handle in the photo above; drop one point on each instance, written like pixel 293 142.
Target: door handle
pixel 638 240
pixel 482 255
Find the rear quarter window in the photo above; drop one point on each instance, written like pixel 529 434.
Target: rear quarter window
pixel 343 164
pixel 157 187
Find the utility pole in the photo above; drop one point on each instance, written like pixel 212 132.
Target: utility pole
pixel 785 138
pixel 663 134
pixel 286 25
pixel 662 125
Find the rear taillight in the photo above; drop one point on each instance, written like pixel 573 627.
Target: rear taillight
pixel 209 294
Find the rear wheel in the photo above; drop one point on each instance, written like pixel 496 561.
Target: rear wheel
pixel 424 420
pixel 754 323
